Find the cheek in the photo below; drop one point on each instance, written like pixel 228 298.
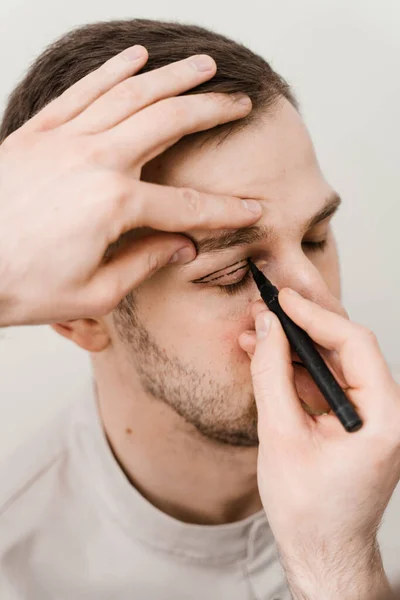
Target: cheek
pixel 216 337
pixel 231 325
pixel 203 326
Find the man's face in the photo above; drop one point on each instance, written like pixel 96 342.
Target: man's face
pixel 183 339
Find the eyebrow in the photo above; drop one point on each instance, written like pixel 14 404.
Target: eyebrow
pixel 250 235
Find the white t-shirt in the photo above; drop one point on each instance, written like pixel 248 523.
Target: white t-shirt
pixel 72 527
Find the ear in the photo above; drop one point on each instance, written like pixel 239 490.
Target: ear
pixel 89 334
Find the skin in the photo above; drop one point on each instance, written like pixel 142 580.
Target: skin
pixel 329 489
pixel 182 385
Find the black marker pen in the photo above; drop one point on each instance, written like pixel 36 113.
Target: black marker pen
pixel 312 360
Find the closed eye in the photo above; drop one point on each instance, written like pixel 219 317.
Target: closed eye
pixel 234 288
pixel 232 279
pixel 315 246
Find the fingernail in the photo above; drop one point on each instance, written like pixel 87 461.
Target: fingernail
pixel 202 63
pixel 183 255
pixel 132 53
pixel 253 206
pixel 242 99
pixel 263 325
pixel 292 292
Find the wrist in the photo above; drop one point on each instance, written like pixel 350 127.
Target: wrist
pixel 5 318
pixel 9 311
pixel 7 303
pixel 345 575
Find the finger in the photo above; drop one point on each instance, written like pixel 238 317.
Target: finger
pixel 135 93
pixel 150 132
pixel 257 307
pixel 278 404
pixel 180 209
pixel 136 262
pixel 85 91
pixel 331 357
pixel 247 341
pixel 361 359
pixel 316 402
pixel 332 360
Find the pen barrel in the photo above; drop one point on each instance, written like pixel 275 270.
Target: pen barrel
pixel 315 365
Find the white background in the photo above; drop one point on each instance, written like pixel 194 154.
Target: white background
pixel 342 58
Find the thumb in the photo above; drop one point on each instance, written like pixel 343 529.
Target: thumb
pixel 136 262
pixel 276 396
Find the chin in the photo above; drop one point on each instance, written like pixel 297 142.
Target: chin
pixel 239 432
pixel 238 440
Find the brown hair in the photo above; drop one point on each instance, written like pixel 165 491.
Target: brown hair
pixel 83 50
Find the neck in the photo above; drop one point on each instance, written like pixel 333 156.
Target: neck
pixel 182 473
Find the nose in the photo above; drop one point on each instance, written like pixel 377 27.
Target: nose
pixel 305 278
pixel 300 274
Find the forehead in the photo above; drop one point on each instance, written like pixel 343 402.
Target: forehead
pixel 272 159
pixel 264 160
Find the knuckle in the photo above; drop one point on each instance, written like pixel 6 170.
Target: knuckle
pixel 262 370
pixel 114 188
pixel 194 202
pixel 83 149
pixel 109 194
pixel 153 263
pixel 128 198
pixel 119 192
pixel 119 196
pixel 111 66
pixel 217 100
pixel 110 295
pixel 124 91
pixel 177 72
pixel 367 335
pixel 176 108
pixel 111 186
pixel 311 321
pixel 102 301
pixel 212 98
pixel 260 375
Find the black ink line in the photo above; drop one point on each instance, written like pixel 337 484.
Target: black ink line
pixel 221 276
pixel 218 271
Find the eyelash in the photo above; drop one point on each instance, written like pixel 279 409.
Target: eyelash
pixel 315 246
pixel 235 288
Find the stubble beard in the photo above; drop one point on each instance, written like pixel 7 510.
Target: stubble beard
pixel 218 412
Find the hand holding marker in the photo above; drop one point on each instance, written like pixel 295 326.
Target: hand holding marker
pixel 312 360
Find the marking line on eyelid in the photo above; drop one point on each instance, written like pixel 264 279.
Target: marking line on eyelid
pixel 201 279
pixel 224 275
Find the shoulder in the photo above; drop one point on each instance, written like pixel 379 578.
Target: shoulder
pixel 26 474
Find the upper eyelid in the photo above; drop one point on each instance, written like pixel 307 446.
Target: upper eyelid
pixel 242 263
pixel 245 266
